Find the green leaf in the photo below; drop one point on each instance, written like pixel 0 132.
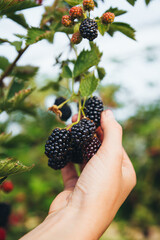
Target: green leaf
pixel 101 72
pixel 4 137
pixel 18 18
pixel 16 102
pixel 11 6
pixel 132 2
pixel 20 96
pixel 88 85
pixel 17 45
pixel 147 1
pixel 87 59
pixel 2 40
pixel 16 86
pixel 116 11
pixel 66 72
pixel 4 63
pixel 74 2
pixel 25 72
pixel 9 166
pixel 102 28
pixel 124 28
pixel 37 34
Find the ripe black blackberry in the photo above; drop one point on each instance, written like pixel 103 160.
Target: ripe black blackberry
pixel 88 29
pixel 77 156
pixel 57 148
pixel 66 110
pixel 93 109
pixel 90 149
pixel 5 210
pixel 82 132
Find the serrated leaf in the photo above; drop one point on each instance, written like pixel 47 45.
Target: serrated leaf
pixel 116 11
pixel 20 96
pixel 101 72
pixel 132 2
pixel 9 166
pixel 74 2
pixel 124 28
pixel 25 72
pixel 18 18
pixel 66 72
pixel 87 59
pixel 88 85
pixel 37 34
pixel 16 102
pixel 9 7
pixel 102 28
pixel 17 45
pixel 4 63
pixel 16 86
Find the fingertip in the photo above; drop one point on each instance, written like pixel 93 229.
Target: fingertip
pixel 74 118
pixel 105 116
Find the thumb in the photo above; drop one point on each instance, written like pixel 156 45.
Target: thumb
pixel 112 140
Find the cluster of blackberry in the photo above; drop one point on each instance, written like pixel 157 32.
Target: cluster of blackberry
pixel 88 27
pixel 79 144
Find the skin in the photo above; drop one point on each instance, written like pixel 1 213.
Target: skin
pixel 88 204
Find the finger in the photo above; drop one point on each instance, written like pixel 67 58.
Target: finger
pixel 100 134
pixel 112 141
pixel 128 172
pixel 74 118
pixel 69 176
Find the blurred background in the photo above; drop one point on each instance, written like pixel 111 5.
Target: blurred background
pixel 131 89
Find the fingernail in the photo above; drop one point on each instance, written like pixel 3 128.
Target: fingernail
pixel 109 114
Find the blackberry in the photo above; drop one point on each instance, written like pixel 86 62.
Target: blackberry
pixel 57 148
pixel 76 12
pixel 82 132
pixel 88 5
pixel 66 110
pixel 90 149
pixel 93 109
pixel 67 21
pixel 88 29
pixel 108 17
pixel 76 38
pixel 5 210
pixel 77 156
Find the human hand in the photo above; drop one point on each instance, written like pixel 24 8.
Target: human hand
pixel 88 204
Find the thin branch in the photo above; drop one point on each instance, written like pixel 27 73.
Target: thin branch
pixel 12 65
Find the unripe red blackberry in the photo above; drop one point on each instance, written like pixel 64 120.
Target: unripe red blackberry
pixel 88 29
pixel 67 21
pixel 66 110
pixel 90 149
pixel 7 186
pixel 108 17
pixel 88 5
pixel 76 12
pixel 76 38
pixel 5 210
pixel 82 132
pixel 57 148
pixel 93 109
pixel 2 233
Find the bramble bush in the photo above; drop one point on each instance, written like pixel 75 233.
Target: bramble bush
pixel 80 76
